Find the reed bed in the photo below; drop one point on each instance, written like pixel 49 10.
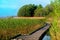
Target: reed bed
pixel 11 27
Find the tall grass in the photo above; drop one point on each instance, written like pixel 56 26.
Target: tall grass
pixel 55 28
pixel 11 27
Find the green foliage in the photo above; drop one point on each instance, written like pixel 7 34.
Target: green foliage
pixel 49 8
pixel 26 10
pixel 40 11
pixel 32 10
pixel 54 31
pixel 11 27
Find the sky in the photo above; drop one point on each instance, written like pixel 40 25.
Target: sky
pixel 11 7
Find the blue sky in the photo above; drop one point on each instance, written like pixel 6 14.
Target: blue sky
pixel 10 7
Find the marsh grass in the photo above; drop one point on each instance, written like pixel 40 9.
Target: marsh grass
pixel 11 27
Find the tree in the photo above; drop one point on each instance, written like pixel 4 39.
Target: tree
pixel 49 9
pixel 26 10
pixel 40 11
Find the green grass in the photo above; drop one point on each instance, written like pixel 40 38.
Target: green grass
pixel 12 27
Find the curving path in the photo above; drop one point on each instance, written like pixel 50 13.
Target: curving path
pixel 36 35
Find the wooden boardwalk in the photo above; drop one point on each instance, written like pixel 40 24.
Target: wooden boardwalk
pixel 36 35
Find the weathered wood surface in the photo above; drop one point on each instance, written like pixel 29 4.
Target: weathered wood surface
pixel 34 35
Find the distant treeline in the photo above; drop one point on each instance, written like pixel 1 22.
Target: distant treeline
pixel 32 10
